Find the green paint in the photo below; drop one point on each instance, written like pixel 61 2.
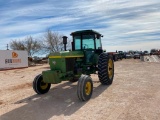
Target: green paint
pixel 57 61
pixel 51 76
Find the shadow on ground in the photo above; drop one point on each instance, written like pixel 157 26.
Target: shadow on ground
pixel 61 100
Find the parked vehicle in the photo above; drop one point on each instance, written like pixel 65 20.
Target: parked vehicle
pixel 145 52
pixel 153 51
pixel 128 55
pixel 121 54
pixel 115 55
pixel 137 55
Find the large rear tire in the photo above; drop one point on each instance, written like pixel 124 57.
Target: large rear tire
pixel 39 86
pixel 85 88
pixel 105 69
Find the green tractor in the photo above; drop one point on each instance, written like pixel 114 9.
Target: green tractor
pixel 86 57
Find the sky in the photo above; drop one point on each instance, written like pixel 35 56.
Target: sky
pixel 125 24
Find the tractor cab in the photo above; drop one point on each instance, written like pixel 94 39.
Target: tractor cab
pixel 88 41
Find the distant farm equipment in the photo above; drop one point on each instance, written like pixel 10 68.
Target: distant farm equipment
pixel 32 61
pixel 116 56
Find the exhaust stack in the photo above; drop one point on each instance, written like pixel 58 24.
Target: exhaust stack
pixel 64 42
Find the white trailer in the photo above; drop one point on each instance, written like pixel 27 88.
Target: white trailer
pixel 13 59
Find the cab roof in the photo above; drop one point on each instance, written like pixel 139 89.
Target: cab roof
pixel 85 32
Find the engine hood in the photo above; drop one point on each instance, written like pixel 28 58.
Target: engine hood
pixel 67 54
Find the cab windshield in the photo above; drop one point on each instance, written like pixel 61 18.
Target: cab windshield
pixel 88 42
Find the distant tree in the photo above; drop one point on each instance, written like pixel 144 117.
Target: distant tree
pixel 29 44
pixel 53 42
pixel 17 45
pixel 32 46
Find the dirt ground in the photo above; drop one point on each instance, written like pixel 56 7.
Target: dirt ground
pixel 134 95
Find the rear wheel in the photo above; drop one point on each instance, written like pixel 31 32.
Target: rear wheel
pixel 39 86
pixel 85 88
pixel 105 69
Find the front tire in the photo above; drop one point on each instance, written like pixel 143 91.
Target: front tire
pixel 85 88
pixel 105 69
pixel 39 86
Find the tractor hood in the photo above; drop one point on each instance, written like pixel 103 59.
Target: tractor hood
pixel 67 54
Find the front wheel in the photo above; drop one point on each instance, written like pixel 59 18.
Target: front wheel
pixel 39 86
pixel 105 69
pixel 85 88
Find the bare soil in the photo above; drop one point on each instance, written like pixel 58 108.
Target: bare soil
pixel 134 95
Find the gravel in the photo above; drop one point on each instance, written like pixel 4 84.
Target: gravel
pixel 134 95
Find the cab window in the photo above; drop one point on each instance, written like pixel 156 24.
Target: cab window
pixel 98 44
pixel 77 42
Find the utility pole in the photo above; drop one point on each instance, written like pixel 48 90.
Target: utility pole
pixel 7 47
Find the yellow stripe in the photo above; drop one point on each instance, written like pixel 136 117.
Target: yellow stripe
pixel 65 56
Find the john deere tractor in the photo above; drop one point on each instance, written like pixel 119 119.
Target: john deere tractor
pixel 86 57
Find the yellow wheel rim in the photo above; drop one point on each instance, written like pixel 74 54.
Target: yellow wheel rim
pixel 43 85
pixel 88 88
pixel 110 68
